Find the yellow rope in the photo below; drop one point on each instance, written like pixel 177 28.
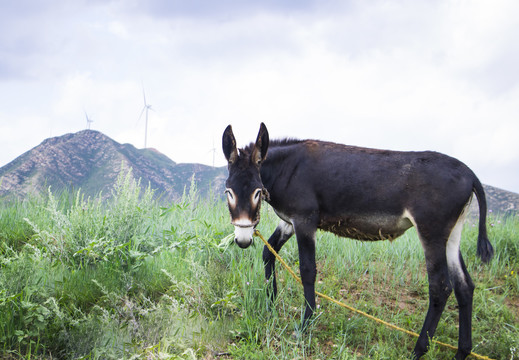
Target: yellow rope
pixel 285 265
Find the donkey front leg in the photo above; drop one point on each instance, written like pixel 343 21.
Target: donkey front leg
pixel 283 232
pixel 307 268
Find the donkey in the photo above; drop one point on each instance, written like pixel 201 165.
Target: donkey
pixel 364 194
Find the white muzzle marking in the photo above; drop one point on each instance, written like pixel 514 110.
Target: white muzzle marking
pixel 243 232
pixel 243 236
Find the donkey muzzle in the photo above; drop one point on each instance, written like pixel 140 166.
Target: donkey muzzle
pixel 244 233
pixel 243 237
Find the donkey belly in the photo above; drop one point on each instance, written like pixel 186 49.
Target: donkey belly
pixel 367 227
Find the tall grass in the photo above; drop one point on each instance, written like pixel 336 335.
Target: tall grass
pixel 87 278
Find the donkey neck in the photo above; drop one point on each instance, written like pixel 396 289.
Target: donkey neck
pixel 282 160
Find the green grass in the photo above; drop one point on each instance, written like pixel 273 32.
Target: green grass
pixel 87 278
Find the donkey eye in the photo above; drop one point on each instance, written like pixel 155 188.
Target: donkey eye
pixel 230 196
pixel 257 195
pixel 229 193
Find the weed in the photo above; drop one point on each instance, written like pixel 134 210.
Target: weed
pixel 91 278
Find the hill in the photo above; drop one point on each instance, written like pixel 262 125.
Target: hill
pixel 92 161
pixel 501 201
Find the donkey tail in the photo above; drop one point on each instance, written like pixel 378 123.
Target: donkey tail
pixel 485 250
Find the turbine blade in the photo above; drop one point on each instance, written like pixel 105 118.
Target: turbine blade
pixel 140 115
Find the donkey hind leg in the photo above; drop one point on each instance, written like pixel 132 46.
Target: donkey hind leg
pixel 446 269
pixel 279 237
pixel 463 289
pixel 440 289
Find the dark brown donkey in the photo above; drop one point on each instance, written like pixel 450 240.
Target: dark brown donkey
pixel 364 194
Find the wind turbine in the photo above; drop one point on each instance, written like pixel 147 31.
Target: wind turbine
pixel 89 121
pixel 145 109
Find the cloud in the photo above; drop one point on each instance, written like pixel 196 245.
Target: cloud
pixel 221 10
pixel 402 74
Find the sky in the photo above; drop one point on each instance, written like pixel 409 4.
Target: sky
pixel 401 75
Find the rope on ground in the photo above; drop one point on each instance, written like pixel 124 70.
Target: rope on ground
pixel 392 326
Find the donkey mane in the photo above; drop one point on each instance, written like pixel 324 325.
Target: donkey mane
pixel 273 143
pixel 287 142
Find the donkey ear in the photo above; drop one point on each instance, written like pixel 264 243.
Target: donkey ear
pixel 229 145
pixel 259 154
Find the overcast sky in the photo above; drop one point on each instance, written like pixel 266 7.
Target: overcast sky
pixel 403 75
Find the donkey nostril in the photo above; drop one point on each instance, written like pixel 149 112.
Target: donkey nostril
pixel 243 244
pixel 243 236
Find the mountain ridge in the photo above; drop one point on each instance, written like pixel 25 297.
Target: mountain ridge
pixel 91 160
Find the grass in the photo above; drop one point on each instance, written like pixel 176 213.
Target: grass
pixel 86 278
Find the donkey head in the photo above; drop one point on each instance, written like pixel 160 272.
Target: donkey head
pixel 244 188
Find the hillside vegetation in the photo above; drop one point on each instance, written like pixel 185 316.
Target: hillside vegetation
pixel 92 161
pixel 86 278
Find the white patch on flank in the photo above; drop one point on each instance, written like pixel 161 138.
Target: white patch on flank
pixel 407 215
pixel 453 248
pixel 286 228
